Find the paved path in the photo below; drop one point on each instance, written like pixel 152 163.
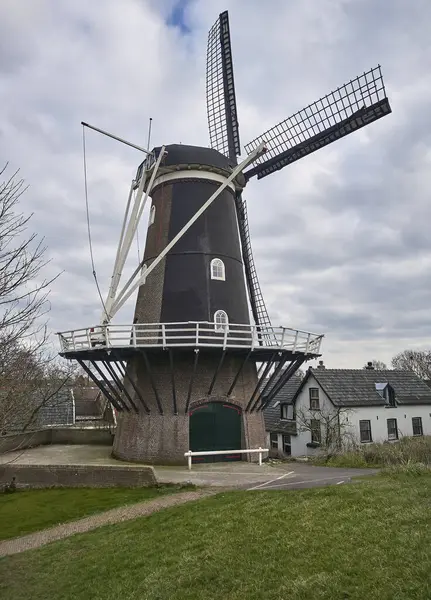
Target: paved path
pixel 116 515
pixel 306 476
pixel 240 475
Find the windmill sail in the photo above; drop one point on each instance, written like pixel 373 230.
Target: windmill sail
pixel 224 137
pixel 220 89
pixel 350 107
pixel 258 307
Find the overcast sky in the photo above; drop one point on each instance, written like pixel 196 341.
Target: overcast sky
pixel 341 239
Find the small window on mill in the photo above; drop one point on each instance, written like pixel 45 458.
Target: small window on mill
pixel 217 269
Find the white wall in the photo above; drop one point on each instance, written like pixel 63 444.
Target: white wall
pixel 300 441
pixel 377 415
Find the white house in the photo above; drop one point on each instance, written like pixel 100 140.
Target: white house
pixel 340 406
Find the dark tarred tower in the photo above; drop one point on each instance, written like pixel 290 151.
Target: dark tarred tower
pixel 200 280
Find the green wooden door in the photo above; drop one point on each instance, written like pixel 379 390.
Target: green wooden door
pixel 215 426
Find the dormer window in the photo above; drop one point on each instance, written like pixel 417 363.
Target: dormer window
pixel 387 392
pixel 286 411
pixel 217 269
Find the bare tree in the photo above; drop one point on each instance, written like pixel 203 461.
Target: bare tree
pixel 329 427
pixel 30 375
pixel 414 360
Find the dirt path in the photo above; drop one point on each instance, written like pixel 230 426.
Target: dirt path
pixel 115 515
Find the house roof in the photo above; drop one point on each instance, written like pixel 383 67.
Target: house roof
pixel 357 387
pixel 272 413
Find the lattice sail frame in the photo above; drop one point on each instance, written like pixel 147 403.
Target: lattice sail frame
pixel 220 91
pixel 339 113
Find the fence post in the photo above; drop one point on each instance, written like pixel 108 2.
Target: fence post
pixel 308 343
pixel 134 335
pixel 282 336
pixel 260 457
pixel 189 460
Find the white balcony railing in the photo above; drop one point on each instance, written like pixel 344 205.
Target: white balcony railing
pixel 189 334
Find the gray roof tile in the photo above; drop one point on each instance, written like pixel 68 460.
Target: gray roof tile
pixel 356 387
pixel 272 413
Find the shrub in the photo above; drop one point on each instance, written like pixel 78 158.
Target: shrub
pixel 350 459
pixel 407 451
pixel 410 468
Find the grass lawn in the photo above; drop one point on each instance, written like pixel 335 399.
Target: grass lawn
pixel 27 511
pixel 368 540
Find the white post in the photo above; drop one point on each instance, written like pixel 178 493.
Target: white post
pixel 125 294
pixel 189 459
pixel 260 457
pixel 308 343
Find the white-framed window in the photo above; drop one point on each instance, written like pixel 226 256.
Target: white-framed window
pixel 221 321
pixel 152 215
pixel 217 269
pixel 314 398
pixel 417 426
pixel 392 429
pixel 286 411
pixel 287 448
pixel 365 431
pixel 273 437
pixel 316 431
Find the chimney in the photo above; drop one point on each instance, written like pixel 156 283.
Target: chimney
pixel 369 366
pixel 321 365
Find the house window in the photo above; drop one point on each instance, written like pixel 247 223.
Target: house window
pixel 221 321
pixel 273 439
pixel 314 398
pixel 316 432
pixel 365 431
pixel 392 429
pixel 417 426
pixel 286 444
pixel 285 411
pixel 217 269
pixel 152 215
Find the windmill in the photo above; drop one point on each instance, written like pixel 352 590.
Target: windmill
pixel 192 371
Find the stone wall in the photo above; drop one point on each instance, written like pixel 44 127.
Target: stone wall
pixel 41 476
pixel 63 435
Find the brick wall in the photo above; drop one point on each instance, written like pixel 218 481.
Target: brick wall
pixel 164 438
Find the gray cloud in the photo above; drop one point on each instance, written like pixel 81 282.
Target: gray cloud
pixel 341 238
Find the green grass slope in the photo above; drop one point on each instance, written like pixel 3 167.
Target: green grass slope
pixel 366 540
pixel 28 511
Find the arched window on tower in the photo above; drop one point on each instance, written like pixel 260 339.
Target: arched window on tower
pixel 152 215
pixel 221 321
pixel 217 269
